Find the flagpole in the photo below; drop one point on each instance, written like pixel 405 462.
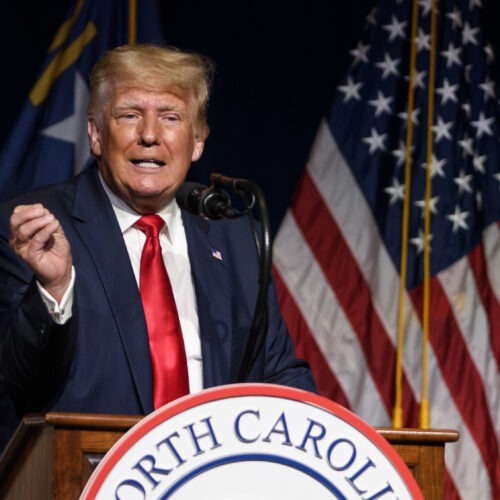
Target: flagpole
pixel 424 416
pixel 132 22
pixel 397 418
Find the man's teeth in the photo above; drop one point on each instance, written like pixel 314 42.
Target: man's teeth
pixel 148 163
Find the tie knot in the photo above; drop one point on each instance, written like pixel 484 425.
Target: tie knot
pixel 150 225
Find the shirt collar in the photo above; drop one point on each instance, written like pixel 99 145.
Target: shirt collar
pixel 127 217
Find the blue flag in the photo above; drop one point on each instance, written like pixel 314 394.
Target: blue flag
pixel 49 140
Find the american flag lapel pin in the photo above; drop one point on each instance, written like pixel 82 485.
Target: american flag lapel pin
pixel 216 254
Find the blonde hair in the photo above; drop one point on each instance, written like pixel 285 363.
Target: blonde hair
pixel 153 66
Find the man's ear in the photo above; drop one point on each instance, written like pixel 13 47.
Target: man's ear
pixel 198 148
pixel 94 136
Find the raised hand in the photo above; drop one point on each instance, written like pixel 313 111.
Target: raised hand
pixel 38 238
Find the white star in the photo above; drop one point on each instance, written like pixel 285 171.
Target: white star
pixel 478 163
pixel 469 34
pixel 497 177
pixel 381 104
pixel 359 53
pixel 375 141
pixel 482 125
pixel 388 66
pixel 467 145
pixel 452 55
pixel 488 87
pixel 419 81
pixel 371 18
pixel 414 116
pixel 423 40
pixel 442 129
pixel 467 109
pixel 475 3
pixel 396 28
pixel 463 182
pixel 351 90
pixel 458 219
pixel 426 6
pixel 400 154
pixel 490 53
pixel 447 92
pixel 396 191
pixel 456 17
pixel 74 128
pixel 436 166
pixel 432 205
pixel 419 241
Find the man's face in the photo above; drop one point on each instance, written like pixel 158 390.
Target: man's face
pixel 144 144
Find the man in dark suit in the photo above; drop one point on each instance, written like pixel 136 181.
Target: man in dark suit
pixel 73 334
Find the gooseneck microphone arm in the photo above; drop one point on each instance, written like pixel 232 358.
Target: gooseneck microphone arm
pixel 251 193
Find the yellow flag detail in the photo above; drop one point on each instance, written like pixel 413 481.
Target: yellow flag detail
pixel 60 63
pixel 64 30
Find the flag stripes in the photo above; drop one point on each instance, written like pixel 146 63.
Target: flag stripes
pixel 312 278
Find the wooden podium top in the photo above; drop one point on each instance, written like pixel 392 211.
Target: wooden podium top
pixel 67 447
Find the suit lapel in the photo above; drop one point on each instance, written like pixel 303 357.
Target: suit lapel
pixel 212 287
pixel 98 228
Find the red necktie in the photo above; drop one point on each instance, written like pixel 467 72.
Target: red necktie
pixel 168 356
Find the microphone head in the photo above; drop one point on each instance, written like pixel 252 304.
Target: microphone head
pixel 188 196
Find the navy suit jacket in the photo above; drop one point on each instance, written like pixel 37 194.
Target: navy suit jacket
pixel 99 361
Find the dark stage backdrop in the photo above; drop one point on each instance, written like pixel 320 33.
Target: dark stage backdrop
pixel 277 66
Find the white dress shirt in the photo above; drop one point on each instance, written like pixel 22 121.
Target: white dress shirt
pixel 175 255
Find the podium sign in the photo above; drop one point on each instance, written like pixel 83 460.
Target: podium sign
pixel 255 441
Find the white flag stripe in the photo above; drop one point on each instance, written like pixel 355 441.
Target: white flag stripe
pixel 348 207
pixel 460 287
pixel 318 305
pixel 491 244
pixel 338 186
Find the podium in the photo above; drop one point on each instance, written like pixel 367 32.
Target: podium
pixel 52 456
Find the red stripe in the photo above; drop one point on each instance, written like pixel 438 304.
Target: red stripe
pixel 491 306
pixel 462 378
pixel 353 294
pixel 306 347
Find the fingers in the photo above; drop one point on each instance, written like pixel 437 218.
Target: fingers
pixel 31 225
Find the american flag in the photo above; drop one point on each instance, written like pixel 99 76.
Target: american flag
pixel 346 239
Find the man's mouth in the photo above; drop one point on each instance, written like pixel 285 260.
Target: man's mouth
pixel 148 163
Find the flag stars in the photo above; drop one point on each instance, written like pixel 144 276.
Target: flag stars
pixel 423 40
pixel 447 92
pixel 436 166
pixel 414 116
pixel 431 205
pixel 459 219
pixel 478 163
pixel 463 182
pixel 351 90
pixel 388 66
pixel 396 29
pixel 497 177
pixel 375 141
pixel 442 130
pixel 396 191
pixel 456 17
pixel 467 146
pixel 482 125
pixel 400 154
pixel 490 53
pixel 419 241
pixel 488 87
pixel 469 34
pixel 381 104
pixel 360 53
pixel 452 55
pixel 419 79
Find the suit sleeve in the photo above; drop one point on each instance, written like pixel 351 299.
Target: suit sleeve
pixel 35 352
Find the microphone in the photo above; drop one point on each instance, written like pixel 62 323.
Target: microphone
pixel 208 202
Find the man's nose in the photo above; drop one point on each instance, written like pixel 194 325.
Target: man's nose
pixel 149 131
